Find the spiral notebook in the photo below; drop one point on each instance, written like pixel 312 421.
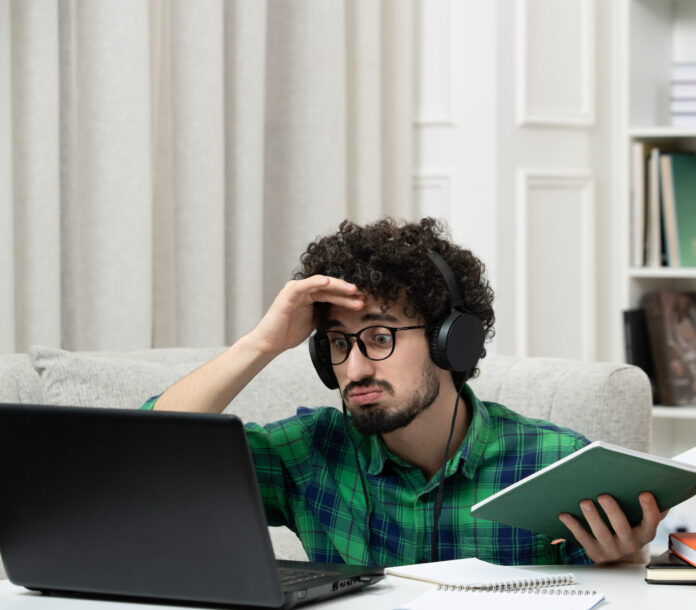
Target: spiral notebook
pixel 473 573
pixel 444 598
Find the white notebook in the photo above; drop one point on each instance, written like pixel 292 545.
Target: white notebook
pixel 446 598
pixel 476 574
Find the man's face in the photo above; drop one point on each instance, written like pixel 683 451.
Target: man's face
pixel 384 395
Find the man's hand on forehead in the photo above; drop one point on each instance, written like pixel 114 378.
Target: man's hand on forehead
pixel 326 289
pixel 290 319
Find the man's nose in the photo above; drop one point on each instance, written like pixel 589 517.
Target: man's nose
pixel 358 366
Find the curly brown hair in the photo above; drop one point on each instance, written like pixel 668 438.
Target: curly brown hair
pixel 387 260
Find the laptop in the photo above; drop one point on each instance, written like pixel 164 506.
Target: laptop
pixel 145 504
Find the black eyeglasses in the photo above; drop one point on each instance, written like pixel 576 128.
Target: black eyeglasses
pixel 374 342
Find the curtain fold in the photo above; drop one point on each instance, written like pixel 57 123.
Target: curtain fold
pixel 107 196
pixel 7 292
pixel 245 131
pixel 35 172
pixel 305 130
pixel 364 163
pixel 198 134
pixel 166 162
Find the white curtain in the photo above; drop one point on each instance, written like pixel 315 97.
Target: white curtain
pixel 164 163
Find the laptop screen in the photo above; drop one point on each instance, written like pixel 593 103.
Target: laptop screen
pixel 137 503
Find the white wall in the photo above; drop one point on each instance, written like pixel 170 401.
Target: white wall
pixel 455 174
pixel 513 133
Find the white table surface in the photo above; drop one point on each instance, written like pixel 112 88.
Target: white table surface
pixel 623 585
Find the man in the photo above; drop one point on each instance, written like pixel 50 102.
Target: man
pixel 364 488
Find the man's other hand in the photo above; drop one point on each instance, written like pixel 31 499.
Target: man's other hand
pixel 624 543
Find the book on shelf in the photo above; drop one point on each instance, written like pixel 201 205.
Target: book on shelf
pixel 670 569
pixel 637 346
pixel 670 317
pixel 686 120
pixel 678 185
pixel 653 227
pixel 473 573
pixel 669 212
pixel 683 101
pixel 639 160
pixel 684 71
pixel 683 90
pixel 683 106
pixel 683 545
pixel 535 502
pixel 452 598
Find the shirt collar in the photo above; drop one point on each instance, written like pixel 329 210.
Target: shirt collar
pixel 468 456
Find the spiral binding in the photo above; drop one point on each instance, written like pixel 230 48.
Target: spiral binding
pixel 536 590
pixel 514 585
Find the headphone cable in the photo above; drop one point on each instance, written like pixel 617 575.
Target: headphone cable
pixel 368 504
pixel 434 552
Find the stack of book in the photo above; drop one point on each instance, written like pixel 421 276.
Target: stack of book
pixel 683 102
pixel 678 564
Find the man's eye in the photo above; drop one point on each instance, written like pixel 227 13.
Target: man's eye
pixel 340 344
pixel 382 340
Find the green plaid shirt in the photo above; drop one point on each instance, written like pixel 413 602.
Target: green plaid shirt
pixel 307 475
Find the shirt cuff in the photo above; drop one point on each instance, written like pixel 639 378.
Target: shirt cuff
pixel 149 404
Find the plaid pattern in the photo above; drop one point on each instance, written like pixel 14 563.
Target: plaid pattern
pixel 307 475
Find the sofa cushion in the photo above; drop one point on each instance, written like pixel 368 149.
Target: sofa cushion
pixel 19 382
pixel 104 379
pixel 603 401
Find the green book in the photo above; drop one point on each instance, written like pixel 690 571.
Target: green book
pixel 535 502
pixel 680 213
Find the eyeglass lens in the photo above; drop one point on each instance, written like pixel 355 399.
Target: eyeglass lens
pixel 375 342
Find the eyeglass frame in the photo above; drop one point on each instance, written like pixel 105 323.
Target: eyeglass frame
pixel 361 344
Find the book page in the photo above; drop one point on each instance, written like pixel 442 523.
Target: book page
pixel 688 457
pixel 473 572
pixel 556 599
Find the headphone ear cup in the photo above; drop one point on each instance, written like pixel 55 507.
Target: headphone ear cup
pixel 456 344
pixel 437 354
pixel 319 353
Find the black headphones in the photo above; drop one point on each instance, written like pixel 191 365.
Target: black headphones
pixel 455 344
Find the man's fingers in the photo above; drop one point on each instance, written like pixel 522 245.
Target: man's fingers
pixel 651 517
pixel 623 542
pixel 626 539
pixel 354 301
pixel 586 540
pixel 601 531
pixel 321 288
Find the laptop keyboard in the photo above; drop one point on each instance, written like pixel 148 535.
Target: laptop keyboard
pixel 297 576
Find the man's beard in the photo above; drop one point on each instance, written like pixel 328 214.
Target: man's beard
pixel 380 420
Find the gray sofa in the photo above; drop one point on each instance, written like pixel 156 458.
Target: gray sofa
pixel 609 402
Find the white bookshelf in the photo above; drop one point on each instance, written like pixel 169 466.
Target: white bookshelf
pixel 654 34
pixel 647 273
pixel 660 133
pixel 678 413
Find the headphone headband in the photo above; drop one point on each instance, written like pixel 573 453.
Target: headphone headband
pixel 456 296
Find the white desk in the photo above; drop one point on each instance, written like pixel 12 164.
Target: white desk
pixel 624 586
